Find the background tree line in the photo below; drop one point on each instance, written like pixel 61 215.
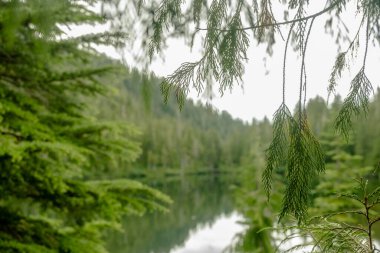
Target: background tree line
pixel 194 139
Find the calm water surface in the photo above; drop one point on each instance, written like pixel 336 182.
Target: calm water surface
pixel 203 219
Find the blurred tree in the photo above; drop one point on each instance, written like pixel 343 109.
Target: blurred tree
pixel 50 144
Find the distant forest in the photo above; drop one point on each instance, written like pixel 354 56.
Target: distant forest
pixel 201 138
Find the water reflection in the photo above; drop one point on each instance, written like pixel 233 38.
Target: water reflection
pixel 198 203
pixel 215 238
pixel 208 216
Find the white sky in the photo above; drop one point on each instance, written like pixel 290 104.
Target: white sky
pixel 262 91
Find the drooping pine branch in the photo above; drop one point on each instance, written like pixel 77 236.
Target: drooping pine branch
pixel 340 63
pixel 167 11
pixel 180 81
pixel 355 103
pixel 358 99
pixel 305 161
pixel 276 154
pixel 233 53
pixel 223 59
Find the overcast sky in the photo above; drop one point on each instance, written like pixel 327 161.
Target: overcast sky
pixel 262 83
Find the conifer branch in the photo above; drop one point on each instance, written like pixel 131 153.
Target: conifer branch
pixel 223 60
pixel 341 63
pixel 276 154
pixel 305 161
pixel 327 9
pixel 358 98
pixel 304 87
pixel 168 9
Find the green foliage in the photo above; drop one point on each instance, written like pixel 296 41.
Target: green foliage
pixel 167 10
pixel 305 161
pixel 223 59
pixel 51 145
pixel 324 234
pixel 232 51
pixel 181 78
pixel 340 161
pixel 356 103
pixel 340 63
pixel 338 204
pixel 333 196
pixel 294 147
pixel 278 149
pixel 367 132
pixel 197 139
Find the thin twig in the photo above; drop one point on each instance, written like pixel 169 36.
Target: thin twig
pixel 278 23
pixel 356 35
pixel 284 64
pixel 303 71
pixel 366 42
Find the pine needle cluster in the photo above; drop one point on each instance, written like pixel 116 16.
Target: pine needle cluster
pixel 224 55
pixel 168 10
pixel 356 103
pixel 340 63
pixel 276 154
pixel 296 149
pixel 305 161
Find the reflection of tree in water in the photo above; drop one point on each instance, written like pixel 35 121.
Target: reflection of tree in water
pixel 198 202
pixel 258 216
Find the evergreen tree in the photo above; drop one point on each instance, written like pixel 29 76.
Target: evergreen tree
pixel 50 144
pixel 367 132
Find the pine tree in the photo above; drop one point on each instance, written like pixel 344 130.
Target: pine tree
pixel 50 144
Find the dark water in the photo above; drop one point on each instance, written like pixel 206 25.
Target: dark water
pixel 203 208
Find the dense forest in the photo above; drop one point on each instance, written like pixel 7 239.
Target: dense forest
pixel 195 138
pixel 201 137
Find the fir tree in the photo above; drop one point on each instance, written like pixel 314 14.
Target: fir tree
pixel 49 143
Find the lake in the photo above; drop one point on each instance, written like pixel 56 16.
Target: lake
pixel 203 219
